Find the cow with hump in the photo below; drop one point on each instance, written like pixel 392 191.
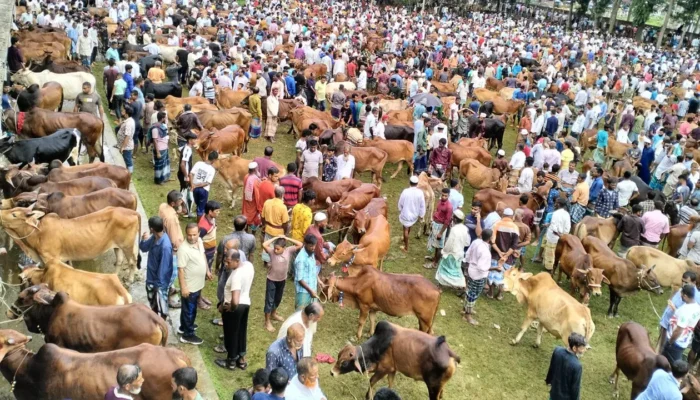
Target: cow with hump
pixel 550 305
pixel 88 329
pixel 392 349
pixel 56 373
pixel 571 258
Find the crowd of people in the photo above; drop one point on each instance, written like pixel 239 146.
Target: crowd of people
pixel 577 87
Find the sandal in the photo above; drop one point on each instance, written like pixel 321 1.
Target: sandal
pixel 241 364
pixel 217 322
pixel 220 349
pixel 226 364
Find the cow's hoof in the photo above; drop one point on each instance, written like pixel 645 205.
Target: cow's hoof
pixel 610 315
pixel 513 342
pixel 536 346
pixel 611 381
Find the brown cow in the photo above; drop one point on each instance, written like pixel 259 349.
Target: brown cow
pixel 36 51
pixel 49 237
pixel 333 190
pixel 228 98
pixel 368 159
pixel 397 117
pixel 172 100
pixel 392 349
pixel 89 288
pixel 623 275
pixel 571 258
pixel 676 237
pixel 428 185
pixel 342 212
pixel 229 140
pixel 371 250
pixel 88 329
pixel 494 84
pixel 232 170
pixel 119 175
pixel 174 110
pixel 376 206
pixel 223 118
pixel 399 151
pixel 70 188
pixel 50 96
pixel 445 88
pixel 318 70
pixel 56 373
pixel 485 94
pixel 489 198
pixel 74 206
pixel 460 153
pixel 303 117
pixel 396 295
pixel 635 357
pixel 478 175
pixel 472 142
pixel 602 228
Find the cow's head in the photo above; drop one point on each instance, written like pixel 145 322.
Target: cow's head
pixel 344 252
pixel 361 220
pixel 31 275
pixel 336 211
pixel 647 280
pixel 35 305
pixel 594 278
pixel 25 199
pixel 11 340
pixel 348 361
pixel 512 280
pixel 21 220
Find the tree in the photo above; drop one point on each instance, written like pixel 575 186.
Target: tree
pixel 688 12
pixel 640 12
pixel 667 17
pixel 613 15
pixel 599 9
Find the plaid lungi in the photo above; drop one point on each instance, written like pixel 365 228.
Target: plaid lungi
pixel 158 300
pixel 577 212
pixel 474 289
pixel 433 242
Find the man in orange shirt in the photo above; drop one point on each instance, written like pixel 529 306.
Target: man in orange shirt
pixel 267 186
pixel 156 73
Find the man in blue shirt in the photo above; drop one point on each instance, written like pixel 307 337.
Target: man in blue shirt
pixel 306 274
pixel 596 186
pixel 689 278
pixel 551 126
pixel 286 352
pixel 129 81
pixel 112 52
pixel 278 381
pixel 664 385
pixel 565 370
pixel 290 83
pixel 159 268
pixel 429 73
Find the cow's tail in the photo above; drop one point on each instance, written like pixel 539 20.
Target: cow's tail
pixel 102 148
pixel 138 250
pixel 60 105
pixel 383 163
pixel 580 230
pixel 590 327
pixel 163 332
pixel 437 307
pixel 441 340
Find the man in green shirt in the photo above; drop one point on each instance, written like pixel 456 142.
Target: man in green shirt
pixel 184 381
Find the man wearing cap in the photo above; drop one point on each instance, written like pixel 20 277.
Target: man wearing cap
pixel 449 272
pixel 504 244
pixel 501 163
pixel 411 207
pixel 323 249
pixel 560 224
pixel 251 205
pixel 442 217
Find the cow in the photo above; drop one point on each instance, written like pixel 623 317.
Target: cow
pixel 399 151
pixel 493 84
pixel 48 96
pixel 396 295
pixel 168 53
pixel 399 131
pixel 57 66
pixel 74 206
pixel 72 82
pixel 172 100
pixel 494 129
pixel 119 175
pixel 490 198
pixel 335 86
pixel 376 206
pixel 371 250
pixel 58 145
pixel 342 212
pixel 472 142
pixel 571 258
pixel 669 270
pixel 39 123
pixel 162 90
pixel 393 105
pixel 148 62
pixel 392 349
pixel 554 309
pixel 89 288
pixel 428 185
pixel 49 237
pixel 228 98
pixel 602 228
pixel 333 190
pixel 460 153
pixel 17 182
pixel 87 329
pixel 635 357
pixel 174 110
pixel 398 116
pixel 56 373
pixel 303 117
pixel 368 159
pixel 479 176
pixel 222 118
pixel 676 236
pixel 229 140
pixel 36 51
pixel 317 70
pixel 623 275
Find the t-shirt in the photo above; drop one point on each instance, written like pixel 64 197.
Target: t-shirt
pixel 241 279
pixel 625 189
pixel 88 103
pixel 279 264
pixel 275 214
pixel 203 173
pixel 191 259
pixel 119 87
pixel 311 162
pixel 685 317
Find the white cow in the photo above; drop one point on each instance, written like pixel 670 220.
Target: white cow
pixel 72 82
pixel 169 53
pixel 669 270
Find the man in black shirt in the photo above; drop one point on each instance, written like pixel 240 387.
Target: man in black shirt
pixel 565 370
pixel 630 229
pixel 693 104
pixel 15 60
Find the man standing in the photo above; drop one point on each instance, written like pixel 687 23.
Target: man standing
pixel 286 352
pixel 411 208
pixel 449 271
pixel 689 278
pixel 89 102
pixel 280 259
pixel 273 107
pixel 478 260
pixel 681 325
pixel 565 370
pixel 440 157
pixel 251 197
pixel 559 225
pixel 504 243
pixel 85 48
pixel 608 199
pixel 207 231
pixel 192 271
pixel 311 162
pixel 308 317
pixel 292 186
pixel 306 274
pixel 323 248
pixel 630 228
pixel 656 226
pixel 442 217
pixel 169 212
pixel 275 219
pixel 159 268
pixel 201 177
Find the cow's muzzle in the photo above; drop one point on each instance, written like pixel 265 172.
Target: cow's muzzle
pixel 335 372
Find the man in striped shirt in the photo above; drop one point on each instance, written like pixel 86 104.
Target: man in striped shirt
pixel 292 186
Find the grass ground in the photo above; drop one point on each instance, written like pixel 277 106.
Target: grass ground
pixel 491 368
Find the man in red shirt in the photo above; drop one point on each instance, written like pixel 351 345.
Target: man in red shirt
pixel 323 249
pixel 292 186
pixel 442 217
pixel 267 186
pixel 352 68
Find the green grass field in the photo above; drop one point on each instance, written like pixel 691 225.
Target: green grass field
pixel 490 369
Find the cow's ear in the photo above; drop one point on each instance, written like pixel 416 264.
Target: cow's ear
pixel 33 221
pixel 606 280
pixel 525 276
pixel 59 298
pixel 40 297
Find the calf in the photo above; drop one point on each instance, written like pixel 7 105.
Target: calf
pixel 49 237
pixel 119 175
pixel 89 288
pixel 371 250
pixel 370 159
pixel 623 275
pixel 333 190
pixel 398 151
pixel 376 206
pixel 392 349
pixel 45 149
pixel 56 373
pixel 602 228
pixel 571 258
pixel 76 206
pixel 87 329
pixel 557 312
pixel 233 169
pixel 396 295
pixel 635 357
pixel 428 185
pixel 669 270
pixel 342 212
pixel 479 176
pixel 230 140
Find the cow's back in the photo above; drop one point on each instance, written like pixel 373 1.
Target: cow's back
pixel 78 186
pixel 415 353
pixel 669 270
pixel 635 356
pixel 88 288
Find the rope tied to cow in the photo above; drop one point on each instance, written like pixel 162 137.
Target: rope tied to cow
pixel 34 229
pixel 653 307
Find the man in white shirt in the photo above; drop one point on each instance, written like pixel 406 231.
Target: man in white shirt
pixel 201 177
pixel 345 163
pixel 527 176
pixel 560 224
pixel 371 123
pixel 681 325
pixel 411 208
pixel 517 161
pixel 308 318
pixel 304 386
pixel 626 189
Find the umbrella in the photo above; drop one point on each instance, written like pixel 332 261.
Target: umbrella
pixel 430 100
